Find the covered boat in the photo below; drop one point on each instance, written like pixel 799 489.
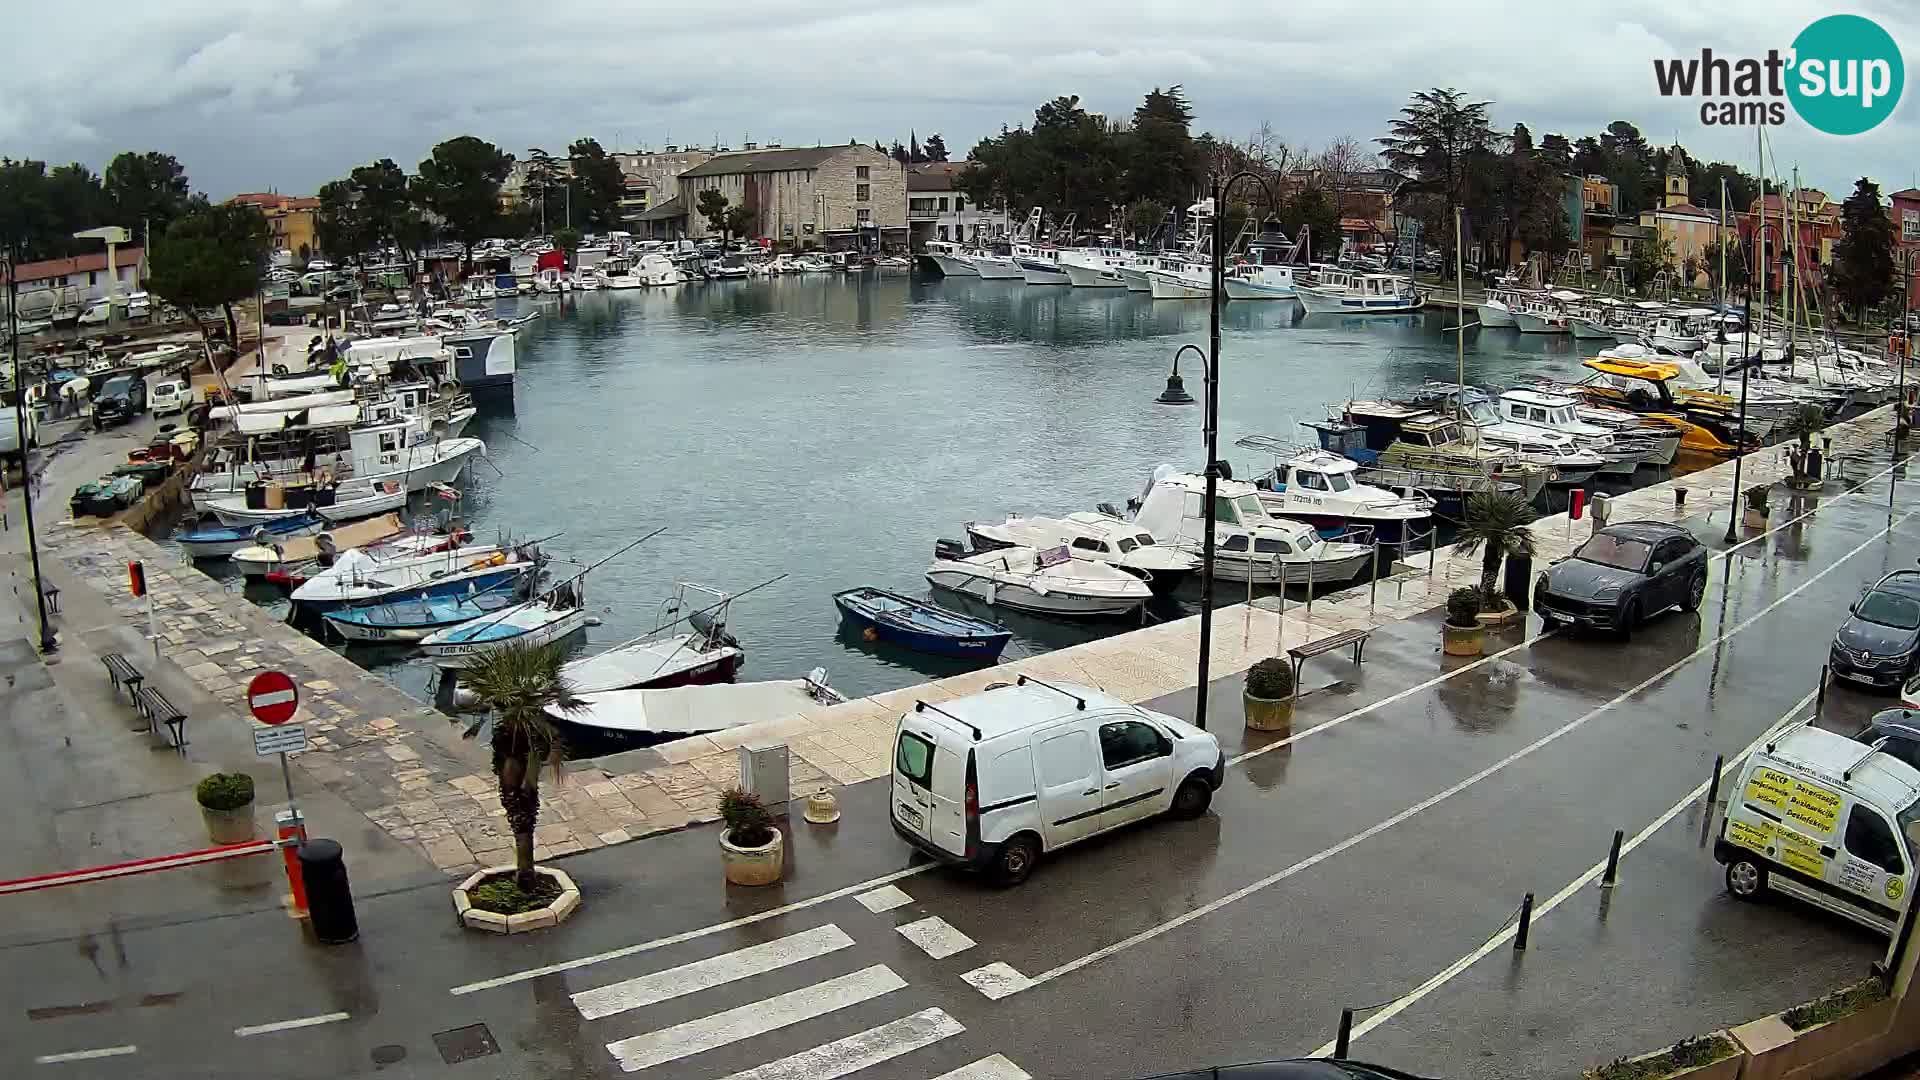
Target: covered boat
pixel 1046 582
pixel 213 541
pixel 417 617
pixel 655 715
pixel 540 621
pixel 919 625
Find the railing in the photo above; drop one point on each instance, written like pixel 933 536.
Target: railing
pixel 925 215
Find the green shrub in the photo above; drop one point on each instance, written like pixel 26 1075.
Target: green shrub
pixel 1270 678
pixel 1685 1054
pixel 1463 608
pixel 1841 1003
pixel 502 895
pixel 746 818
pixel 225 791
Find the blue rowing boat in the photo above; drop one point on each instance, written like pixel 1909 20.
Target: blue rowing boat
pixel 924 627
pixel 416 617
pixel 214 541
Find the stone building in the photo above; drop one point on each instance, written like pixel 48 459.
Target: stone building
pixel 289 219
pixel 849 197
pixel 938 210
pixel 653 178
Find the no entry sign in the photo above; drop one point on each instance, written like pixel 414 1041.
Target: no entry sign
pixel 272 697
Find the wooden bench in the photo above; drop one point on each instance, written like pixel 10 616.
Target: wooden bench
pixel 160 712
pixel 123 674
pixel 1355 639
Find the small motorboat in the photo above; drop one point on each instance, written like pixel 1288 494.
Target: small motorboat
pixel 414 618
pixel 1093 538
pixel 657 715
pixel 214 541
pixel 1044 581
pixel 357 577
pixel 349 502
pixel 919 625
pixel 262 560
pixel 537 622
pixel 703 653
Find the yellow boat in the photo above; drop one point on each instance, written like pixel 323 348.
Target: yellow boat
pixel 1708 423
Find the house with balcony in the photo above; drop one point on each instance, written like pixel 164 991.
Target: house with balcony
pixel 289 221
pixel 1905 215
pixel 938 210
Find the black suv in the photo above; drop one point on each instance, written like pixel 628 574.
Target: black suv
pixel 1877 642
pixel 1623 574
pixel 120 398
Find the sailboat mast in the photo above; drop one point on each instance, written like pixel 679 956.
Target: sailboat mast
pixel 1760 236
pixel 1459 315
pixel 1720 242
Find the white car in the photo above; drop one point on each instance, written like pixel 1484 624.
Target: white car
pixel 169 396
pixel 96 313
pixel 995 779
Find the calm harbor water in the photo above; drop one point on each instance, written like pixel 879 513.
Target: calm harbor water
pixel 830 427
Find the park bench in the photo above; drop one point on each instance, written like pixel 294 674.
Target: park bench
pixel 162 713
pixel 123 674
pixel 1354 639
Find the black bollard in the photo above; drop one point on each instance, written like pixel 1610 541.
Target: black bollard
pixel 1344 1040
pixel 1526 923
pixel 1820 699
pixel 1612 876
pixel 329 899
pixel 1713 786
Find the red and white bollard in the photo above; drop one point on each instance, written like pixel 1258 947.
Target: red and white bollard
pixel 290 829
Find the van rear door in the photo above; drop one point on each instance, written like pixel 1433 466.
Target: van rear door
pixel 915 751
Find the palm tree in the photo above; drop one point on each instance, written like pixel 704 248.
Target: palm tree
pixel 515 684
pixel 1496 526
pixel 1806 422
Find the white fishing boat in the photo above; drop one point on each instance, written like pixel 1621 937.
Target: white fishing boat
pixel 1497 308
pixel 1093 538
pixel 1362 294
pixel 1324 490
pixel 1560 413
pixel 993 267
pixel 260 560
pixel 1180 280
pixel 1041 266
pixel 1546 314
pixel 338 503
pixel 690 710
pixel 689 643
pixel 1046 582
pixel 1260 283
pixel 358 577
pixel 557 614
pixel 1249 544
pixel 1094 268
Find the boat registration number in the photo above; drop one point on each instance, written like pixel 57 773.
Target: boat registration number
pixel 911 816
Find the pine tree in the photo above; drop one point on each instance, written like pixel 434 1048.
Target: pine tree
pixel 1863 260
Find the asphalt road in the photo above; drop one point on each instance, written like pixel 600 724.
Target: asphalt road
pixel 1372 853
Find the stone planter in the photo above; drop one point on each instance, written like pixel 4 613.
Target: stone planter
pixel 228 826
pixel 1506 615
pixel 1462 640
pixel 1755 520
pixel 1727 1068
pixel 1267 714
pixel 1843 1048
pixel 761 865
pixel 555 913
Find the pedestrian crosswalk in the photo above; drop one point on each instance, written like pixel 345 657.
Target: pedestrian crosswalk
pixel 850 1018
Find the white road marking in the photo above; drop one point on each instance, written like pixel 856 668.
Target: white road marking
pixel 675 939
pixel 829 1061
pixel 997 980
pixel 756 1018
pixel 1433 800
pixel 85 1055
pixel 1592 873
pixel 289 1025
pixel 713 971
pixel 884 898
pixel 936 937
pixel 996 1067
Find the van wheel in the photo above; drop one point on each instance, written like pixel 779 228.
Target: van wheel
pixel 1192 798
pixel 1015 860
pixel 1746 880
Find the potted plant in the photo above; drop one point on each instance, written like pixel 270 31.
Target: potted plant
pixel 226 805
pixel 1267 698
pixel 1756 513
pixel 1496 526
pixel 1804 424
pixel 1703 1057
pixel 752 851
pixel 1462 634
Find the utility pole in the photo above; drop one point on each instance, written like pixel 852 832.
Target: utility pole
pixel 47 642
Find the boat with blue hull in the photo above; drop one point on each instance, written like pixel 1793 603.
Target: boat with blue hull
pixel 417 617
pixel 916 624
pixel 215 541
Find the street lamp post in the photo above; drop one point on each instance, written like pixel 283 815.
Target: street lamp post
pixel 1746 371
pixel 47 642
pixel 1218 282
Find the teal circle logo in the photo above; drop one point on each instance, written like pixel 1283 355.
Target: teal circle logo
pixel 1847 75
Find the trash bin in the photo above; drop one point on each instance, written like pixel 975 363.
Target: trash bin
pixel 329 899
pixel 1518 584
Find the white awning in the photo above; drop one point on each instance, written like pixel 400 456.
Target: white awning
pixel 284 405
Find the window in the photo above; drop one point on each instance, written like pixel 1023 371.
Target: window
pixel 943 232
pixel 959 203
pixel 1870 837
pixel 1616 551
pixel 1250 508
pixel 1125 545
pixel 914 759
pixel 1064 759
pixel 864 193
pixel 1340 482
pixel 943 206
pixel 862 172
pixel 1130 742
pixel 1670 552
pixel 1889 609
pixel 1085 543
pixel 1234 543
pixel 1312 481
pixel 863 215
pixel 1223 510
pixel 389 442
pixel 1272 547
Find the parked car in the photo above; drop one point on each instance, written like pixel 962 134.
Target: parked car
pixel 96 313
pixel 10 434
pixel 993 780
pixel 1876 643
pixel 120 398
pixel 169 396
pixel 1292 1069
pixel 1895 732
pixel 1623 574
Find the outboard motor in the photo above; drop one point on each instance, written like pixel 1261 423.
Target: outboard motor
pixel 328 551
pixel 948 549
pixel 1108 509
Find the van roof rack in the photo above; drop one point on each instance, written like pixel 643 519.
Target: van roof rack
pixel 1847 773
pixel 1788 730
pixel 1079 703
pixel 921 706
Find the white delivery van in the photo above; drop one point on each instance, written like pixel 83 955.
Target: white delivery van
pixel 1824 819
pixel 992 780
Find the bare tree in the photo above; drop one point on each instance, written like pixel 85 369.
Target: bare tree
pixel 1268 153
pixel 1339 168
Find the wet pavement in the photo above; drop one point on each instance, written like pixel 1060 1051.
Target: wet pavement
pixel 1378 847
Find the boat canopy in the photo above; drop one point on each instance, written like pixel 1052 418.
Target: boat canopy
pixel 283 405
pixel 326 416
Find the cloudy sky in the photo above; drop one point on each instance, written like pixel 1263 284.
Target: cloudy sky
pixel 289 94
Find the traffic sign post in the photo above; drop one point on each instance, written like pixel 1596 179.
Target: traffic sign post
pixel 273 699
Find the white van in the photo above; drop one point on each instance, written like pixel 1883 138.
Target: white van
pixel 169 396
pixel 1822 818
pixel 992 780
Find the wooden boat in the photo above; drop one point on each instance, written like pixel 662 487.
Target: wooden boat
pixel 415 618
pixel 537 622
pixel 214 541
pixel 919 625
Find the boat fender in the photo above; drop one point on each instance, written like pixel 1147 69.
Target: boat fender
pixel 870 634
